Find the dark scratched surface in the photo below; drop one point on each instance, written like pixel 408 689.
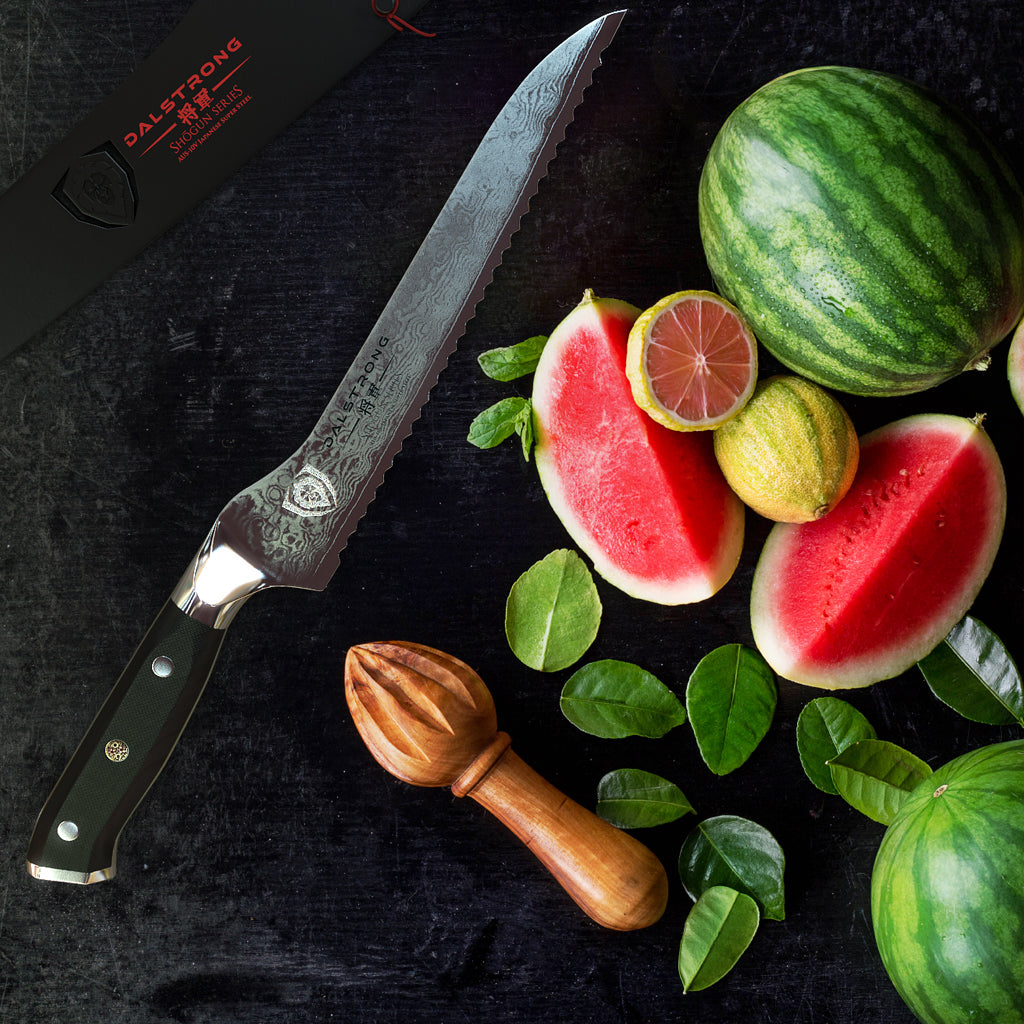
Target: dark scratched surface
pixel 275 872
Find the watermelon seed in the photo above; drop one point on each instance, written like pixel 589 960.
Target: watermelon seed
pixel 942 789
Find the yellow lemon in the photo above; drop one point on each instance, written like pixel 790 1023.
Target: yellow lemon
pixel 791 453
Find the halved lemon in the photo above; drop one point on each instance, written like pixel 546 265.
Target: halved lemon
pixel 691 361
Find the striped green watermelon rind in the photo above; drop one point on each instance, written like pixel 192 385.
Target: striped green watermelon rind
pixel 947 891
pixel 647 505
pixel 866 592
pixel 871 235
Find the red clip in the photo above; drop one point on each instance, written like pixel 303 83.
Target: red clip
pixel 397 23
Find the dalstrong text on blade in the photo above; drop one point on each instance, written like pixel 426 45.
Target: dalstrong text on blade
pixel 367 389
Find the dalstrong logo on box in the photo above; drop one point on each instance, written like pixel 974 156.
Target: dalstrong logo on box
pixel 98 188
pixel 195 90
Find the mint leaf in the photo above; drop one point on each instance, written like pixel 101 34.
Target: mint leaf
pixel 512 361
pixel 524 428
pixel 498 422
pixel 502 420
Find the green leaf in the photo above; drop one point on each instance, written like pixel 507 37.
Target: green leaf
pixel 524 428
pixel 973 673
pixel 875 777
pixel 630 798
pixel 512 361
pixel 502 420
pixel 614 699
pixel 730 700
pixel 717 932
pixel 553 612
pixel 825 728
pixel 741 854
pixel 498 422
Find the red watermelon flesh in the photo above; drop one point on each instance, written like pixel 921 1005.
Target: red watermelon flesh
pixel 864 593
pixel 649 506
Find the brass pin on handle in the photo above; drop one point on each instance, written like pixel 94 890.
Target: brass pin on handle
pixel 429 719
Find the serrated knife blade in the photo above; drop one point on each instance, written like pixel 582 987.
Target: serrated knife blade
pixel 289 528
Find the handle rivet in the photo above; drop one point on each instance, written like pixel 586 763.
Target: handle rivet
pixel 162 666
pixel 68 831
pixel 116 751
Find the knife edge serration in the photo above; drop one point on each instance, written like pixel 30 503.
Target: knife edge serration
pixel 294 522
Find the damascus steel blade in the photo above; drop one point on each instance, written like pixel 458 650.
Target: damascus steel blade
pixel 293 523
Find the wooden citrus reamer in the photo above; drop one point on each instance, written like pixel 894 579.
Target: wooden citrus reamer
pixel 429 719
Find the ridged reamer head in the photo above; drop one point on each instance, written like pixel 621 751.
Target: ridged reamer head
pixel 423 714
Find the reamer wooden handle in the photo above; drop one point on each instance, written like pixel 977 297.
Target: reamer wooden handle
pixel 615 879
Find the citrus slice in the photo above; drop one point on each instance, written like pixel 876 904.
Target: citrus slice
pixel 691 361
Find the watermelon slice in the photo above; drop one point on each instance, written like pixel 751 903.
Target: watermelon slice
pixel 649 506
pixel 864 593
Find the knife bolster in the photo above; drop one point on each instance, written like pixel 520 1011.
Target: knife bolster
pixel 217 583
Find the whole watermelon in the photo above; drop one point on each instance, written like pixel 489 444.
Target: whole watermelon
pixel 947 891
pixel 871 235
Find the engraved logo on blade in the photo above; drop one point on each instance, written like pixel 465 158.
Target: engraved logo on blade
pixel 311 494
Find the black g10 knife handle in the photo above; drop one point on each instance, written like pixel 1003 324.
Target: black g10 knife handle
pixel 75 838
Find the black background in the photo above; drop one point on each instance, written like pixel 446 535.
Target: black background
pixel 275 872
